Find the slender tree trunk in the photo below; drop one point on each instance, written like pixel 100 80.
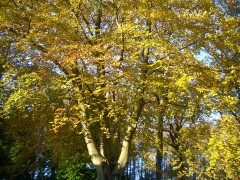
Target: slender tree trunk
pixel 159 165
pixel 159 157
pixel 134 168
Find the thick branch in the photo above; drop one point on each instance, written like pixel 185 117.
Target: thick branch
pixel 125 151
pixel 96 157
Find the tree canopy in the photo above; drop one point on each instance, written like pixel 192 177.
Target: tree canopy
pixel 99 85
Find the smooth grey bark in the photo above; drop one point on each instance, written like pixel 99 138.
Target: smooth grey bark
pixel 98 159
pixel 125 151
pixel 102 167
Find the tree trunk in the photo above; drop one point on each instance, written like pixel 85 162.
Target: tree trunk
pixel 125 152
pixel 103 171
pixel 101 164
pixel 159 157
pixel 99 160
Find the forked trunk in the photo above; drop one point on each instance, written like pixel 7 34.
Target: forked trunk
pixel 100 161
pixel 102 166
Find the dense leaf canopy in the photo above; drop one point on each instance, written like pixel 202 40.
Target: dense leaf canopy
pixel 94 85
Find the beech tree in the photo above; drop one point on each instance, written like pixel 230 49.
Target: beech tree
pixel 100 69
